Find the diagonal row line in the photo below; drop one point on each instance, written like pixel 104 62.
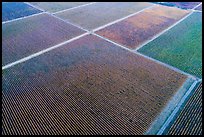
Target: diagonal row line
pixel 197 11
pixel 173 114
pixel 74 7
pixel 196 6
pixel 34 6
pixel 156 36
pixel 149 58
pixel 41 52
pixel 43 11
pixel 67 22
pixel 22 18
pixel 116 21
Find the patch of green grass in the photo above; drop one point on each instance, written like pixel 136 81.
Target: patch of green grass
pixel 181 46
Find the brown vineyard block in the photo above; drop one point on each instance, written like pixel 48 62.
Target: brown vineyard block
pixel 88 86
pixel 141 27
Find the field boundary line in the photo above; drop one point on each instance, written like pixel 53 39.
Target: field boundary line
pixel 112 42
pixel 194 9
pixel 67 21
pixel 34 6
pixel 168 66
pixel 169 107
pixel 200 80
pixel 197 11
pixel 42 51
pixel 50 48
pixel 161 3
pixel 23 17
pixel 159 34
pixel 170 118
pixel 57 17
pixel 74 7
pixel 196 6
pixel 149 58
pixel 118 20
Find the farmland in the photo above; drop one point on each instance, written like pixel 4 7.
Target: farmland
pixel 181 46
pixel 57 6
pixel 199 8
pixel 25 37
pixel 96 15
pixel 189 121
pixel 89 86
pixel 141 27
pixel 101 68
pixel 13 10
pixel 183 5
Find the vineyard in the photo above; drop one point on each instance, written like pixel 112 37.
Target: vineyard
pixel 57 6
pixel 90 77
pixel 98 14
pixel 25 37
pixel 189 121
pixel 181 46
pixel 23 10
pixel 199 8
pixel 183 5
pixel 139 28
pixel 101 68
